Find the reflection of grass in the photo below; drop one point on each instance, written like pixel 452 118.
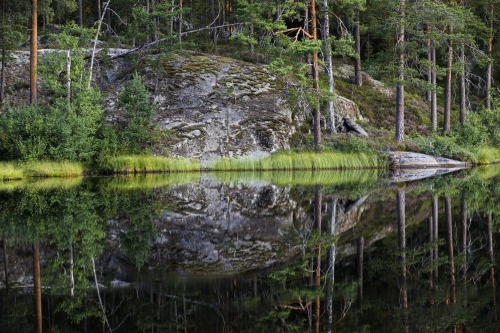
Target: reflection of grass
pixel 148 181
pixel 39 169
pixel 302 161
pixel 40 184
pixel 304 178
pixel 143 164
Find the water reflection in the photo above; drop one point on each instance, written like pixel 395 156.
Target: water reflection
pixel 322 252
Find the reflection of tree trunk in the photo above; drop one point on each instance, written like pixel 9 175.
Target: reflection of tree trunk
pixel 317 226
pixel 5 262
pixel 331 262
pixel 492 257
pixel 37 286
pixel 435 230
pixel 431 254
pixel 184 321
pixel 359 266
pixel 71 275
pixel 403 294
pixel 463 214
pixel 449 245
pixel 318 201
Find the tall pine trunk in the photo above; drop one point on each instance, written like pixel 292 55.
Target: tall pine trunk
pixel 317 114
pixel 33 51
pixel 400 90
pixel 447 87
pixel 489 69
pixel 463 97
pixel 429 59
pixel 358 79
pixel 329 66
pixel 434 91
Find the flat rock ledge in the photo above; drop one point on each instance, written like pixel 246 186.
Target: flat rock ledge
pixel 410 160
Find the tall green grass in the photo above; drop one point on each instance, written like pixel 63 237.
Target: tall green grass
pixel 10 171
pixel 144 164
pixel 300 161
pixel 487 155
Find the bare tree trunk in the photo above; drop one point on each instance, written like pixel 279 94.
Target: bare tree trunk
pixel 329 65
pixel 33 51
pixel 180 21
pixel 98 4
pixel 447 87
pixel 434 92
pixel 2 77
pixel 4 55
pixel 95 43
pixel 108 22
pixel 68 76
pixel 429 59
pixel 463 97
pixel 358 79
pixel 400 89
pixel 37 286
pixel 489 69
pixel 80 13
pixel 213 34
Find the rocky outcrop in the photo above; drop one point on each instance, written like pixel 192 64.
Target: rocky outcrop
pixel 210 106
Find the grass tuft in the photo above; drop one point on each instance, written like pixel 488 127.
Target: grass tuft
pixel 12 171
pixel 487 155
pixel 300 161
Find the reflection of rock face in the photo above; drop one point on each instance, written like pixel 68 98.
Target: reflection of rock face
pixel 216 227
pixel 209 227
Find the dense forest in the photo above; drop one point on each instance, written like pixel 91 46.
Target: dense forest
pixel 440 51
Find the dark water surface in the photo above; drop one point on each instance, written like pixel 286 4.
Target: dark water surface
pixel 350 251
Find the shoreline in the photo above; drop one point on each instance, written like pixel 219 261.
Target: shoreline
pixel 282 161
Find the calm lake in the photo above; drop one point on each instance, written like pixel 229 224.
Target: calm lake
pixel 336 251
